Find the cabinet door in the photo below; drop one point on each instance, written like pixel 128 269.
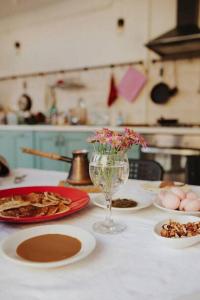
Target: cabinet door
pixel 10 147
pixel 49 142
pixel 23 139
pixel 6 148
pixel 73 141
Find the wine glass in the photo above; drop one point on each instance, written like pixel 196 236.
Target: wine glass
pixel 109 172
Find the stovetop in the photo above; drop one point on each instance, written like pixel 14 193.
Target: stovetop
pixel 178 125
pixel 163 125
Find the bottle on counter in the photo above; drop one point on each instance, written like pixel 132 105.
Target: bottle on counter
pixel 11 116
pixel 53 114
pixel 119 119
pixel 53 111
pixel 81 112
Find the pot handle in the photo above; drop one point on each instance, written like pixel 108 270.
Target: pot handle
pixel 53 156
pixel 173 91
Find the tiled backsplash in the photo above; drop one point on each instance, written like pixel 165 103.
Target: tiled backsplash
pixel 185 105
pixel 96 43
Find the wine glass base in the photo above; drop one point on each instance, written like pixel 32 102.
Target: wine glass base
pixel 108 227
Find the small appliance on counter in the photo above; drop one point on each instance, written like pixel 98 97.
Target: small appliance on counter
pixel 167 122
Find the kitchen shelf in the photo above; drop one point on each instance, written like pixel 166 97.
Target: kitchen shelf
pixel 70 70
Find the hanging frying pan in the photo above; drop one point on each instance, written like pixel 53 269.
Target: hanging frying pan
pixel 25 101
pixel 161 92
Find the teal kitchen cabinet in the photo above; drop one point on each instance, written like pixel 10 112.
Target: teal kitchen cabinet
pixel 49 142
pixel 74 141
pixel 11 143
pixel 63 143
pixel 60 143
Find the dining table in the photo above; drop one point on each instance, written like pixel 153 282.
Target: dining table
pixel 131 265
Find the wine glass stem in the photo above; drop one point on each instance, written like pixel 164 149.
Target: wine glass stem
pixel 108 197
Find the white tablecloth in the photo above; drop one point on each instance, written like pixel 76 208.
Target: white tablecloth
pixel 132 265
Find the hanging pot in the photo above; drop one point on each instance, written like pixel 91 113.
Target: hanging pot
pixel 25 101
pixel 161 92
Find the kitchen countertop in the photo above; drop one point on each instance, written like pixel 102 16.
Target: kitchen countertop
pixel 90 128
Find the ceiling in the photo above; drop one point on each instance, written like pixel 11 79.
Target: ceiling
pixel 13 7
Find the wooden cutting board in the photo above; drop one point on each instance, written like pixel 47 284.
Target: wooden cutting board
pixel 86 188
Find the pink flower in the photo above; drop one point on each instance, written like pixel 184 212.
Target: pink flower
pixel 117 141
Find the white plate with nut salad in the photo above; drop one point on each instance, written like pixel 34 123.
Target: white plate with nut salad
pixel 178 232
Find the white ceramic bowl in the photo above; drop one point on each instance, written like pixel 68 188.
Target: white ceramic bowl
pixel 177 243
pixel 9 245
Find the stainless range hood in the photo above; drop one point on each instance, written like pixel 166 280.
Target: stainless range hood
pixel 184 40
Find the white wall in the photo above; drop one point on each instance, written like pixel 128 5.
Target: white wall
pixel 75 33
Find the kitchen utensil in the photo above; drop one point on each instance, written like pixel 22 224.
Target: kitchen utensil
pixel 131 84
pixel 161 92
pixel 79 171
pixel 25 101
pixel 79 200
pixel 113 93
pixel 71 84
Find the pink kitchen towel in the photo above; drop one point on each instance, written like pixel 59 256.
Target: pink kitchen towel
pixel 131 84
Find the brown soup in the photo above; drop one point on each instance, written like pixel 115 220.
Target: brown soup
pixel 49 248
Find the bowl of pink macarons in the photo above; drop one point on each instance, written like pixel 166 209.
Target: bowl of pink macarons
pixel 176 200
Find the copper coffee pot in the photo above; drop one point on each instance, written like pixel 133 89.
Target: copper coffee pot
pixel 79 171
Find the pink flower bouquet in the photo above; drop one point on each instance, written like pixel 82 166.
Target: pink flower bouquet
pixel 113 142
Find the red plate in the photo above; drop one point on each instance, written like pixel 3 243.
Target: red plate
pixel 79 200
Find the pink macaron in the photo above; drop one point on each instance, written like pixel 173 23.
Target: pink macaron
pixel 191 195
pixel 178 192
pixel 171 201
pixel 184 203
pixel 192 205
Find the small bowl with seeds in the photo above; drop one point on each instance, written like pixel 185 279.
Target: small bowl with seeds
pixel 179 232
